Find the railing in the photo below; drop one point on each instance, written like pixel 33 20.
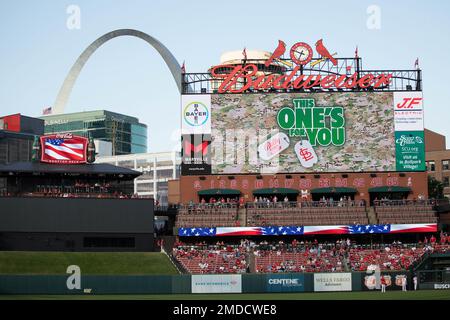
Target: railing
pixel 401 80
pixel 425 202
pixel 208 205
pixel 306 204
pixel 72 195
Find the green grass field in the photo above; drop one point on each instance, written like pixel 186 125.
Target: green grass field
pixel 364 295
pixel 54 263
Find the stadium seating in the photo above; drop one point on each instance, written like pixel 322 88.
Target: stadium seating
pixel 212 259
pixel 299 214
pixel 278 257
pixel 396 213
pixel 297 261
pixel 207 216
pixel 388 258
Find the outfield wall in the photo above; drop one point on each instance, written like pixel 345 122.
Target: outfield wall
pixel 76 224
pixel 181 284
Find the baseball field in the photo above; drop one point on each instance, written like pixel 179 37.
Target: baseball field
pixel 394 295
pixel 55 263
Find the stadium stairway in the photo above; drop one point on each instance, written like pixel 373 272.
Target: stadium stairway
pixel 242 217
pixel 251 261
pixel 372 216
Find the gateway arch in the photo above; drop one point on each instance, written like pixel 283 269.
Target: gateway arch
pixel 66 88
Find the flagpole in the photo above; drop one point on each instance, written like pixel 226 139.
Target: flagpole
pixel 244 64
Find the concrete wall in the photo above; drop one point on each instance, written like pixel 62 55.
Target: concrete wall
pixel 434 141
pixel 64 223
pixel 190 185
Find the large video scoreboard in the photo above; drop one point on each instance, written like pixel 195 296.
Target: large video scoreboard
pixel 302 132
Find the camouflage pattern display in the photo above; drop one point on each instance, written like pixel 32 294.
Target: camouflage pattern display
pixel 242 122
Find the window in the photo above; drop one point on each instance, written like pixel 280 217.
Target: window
pixel 445 164
pixel 445 181
pixel 431 166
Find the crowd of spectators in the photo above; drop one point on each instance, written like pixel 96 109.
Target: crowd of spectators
pixel 300 256
pixel 304 256
pixel 396 256
pixel 219 258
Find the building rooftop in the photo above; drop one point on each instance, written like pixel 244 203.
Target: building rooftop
pixel 38 167
pixel 84 115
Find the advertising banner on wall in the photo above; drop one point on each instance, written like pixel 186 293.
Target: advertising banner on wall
pixel 410 150
pixel 293 282
pixel 196 114
pixel 408 111
pixel 393 281
pixel 196 154
pixel 63 149
pixel 332 282
pixel 227 283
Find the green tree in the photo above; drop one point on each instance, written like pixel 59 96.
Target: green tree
pixel 435 188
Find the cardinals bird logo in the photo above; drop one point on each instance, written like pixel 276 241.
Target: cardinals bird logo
pixel 324 53
pixel 279 51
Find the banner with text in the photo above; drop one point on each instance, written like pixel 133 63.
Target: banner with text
pixel 332 282
pixel 227 283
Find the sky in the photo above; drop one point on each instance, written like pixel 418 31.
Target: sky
pixel 128 76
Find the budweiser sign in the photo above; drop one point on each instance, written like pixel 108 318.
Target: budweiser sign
pixel 244 77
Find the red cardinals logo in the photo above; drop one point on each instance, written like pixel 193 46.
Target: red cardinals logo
pixel 279 51
pixel 324 53
pixel 301 53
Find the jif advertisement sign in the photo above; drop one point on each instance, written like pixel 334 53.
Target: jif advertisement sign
pixel 409 136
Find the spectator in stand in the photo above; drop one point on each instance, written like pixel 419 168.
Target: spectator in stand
pixel 443 238
pixel 433 240
pixel 241 202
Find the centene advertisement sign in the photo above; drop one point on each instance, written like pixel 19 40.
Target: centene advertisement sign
pixel 332 282
pixel 229 283
pixel 285 282
pixel 196 114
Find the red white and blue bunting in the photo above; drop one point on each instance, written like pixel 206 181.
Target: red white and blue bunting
pixel 306 230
